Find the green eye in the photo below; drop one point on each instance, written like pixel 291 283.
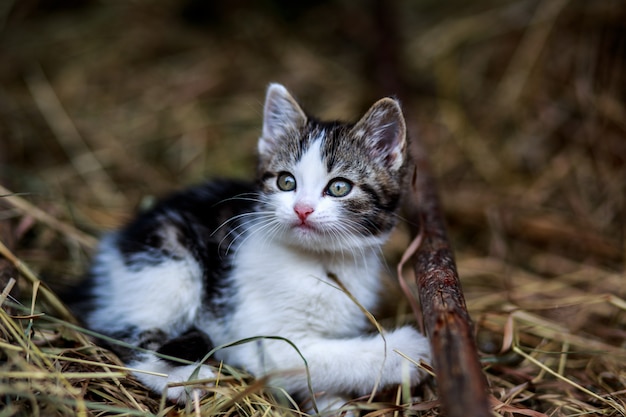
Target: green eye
pixel 339 188
pixel 286 182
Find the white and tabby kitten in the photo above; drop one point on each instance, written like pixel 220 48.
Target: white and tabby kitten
pixel 285 256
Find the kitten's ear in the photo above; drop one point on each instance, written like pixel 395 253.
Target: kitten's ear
pixel 384 131
pixel 281 115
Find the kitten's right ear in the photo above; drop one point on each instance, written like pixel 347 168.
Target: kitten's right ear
pixel 281 116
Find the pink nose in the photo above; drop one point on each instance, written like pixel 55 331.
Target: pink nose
pixel 303 211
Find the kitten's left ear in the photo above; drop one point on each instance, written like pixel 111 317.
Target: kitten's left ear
pixel 383 129
pixel 282 116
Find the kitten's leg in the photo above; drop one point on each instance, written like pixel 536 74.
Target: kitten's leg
pixel 149 296
pixel 344 366
pixel 190 347
pixel 329 404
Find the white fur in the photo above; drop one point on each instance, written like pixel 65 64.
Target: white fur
pixel 281 292
pixel 151 367
pixel 173 289
pixel 289 294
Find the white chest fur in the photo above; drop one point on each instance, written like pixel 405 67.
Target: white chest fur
pixel 285 292
pixel 292 292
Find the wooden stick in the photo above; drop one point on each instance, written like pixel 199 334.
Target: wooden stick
pixel 461 383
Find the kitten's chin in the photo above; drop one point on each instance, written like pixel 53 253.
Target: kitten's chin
pixel 315 239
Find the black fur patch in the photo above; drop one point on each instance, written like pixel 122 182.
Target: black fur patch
pixel 196 222
pixel 191 346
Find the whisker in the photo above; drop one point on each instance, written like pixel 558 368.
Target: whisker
pixel 271 233
pixel 258 228
pixel 345 236
pixel 240 197
pixel 248 226
pixel 239 216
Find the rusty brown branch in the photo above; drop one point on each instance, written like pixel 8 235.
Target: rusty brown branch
pixel 461 383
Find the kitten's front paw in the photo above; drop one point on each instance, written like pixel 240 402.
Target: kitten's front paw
pixel 330 405
pixel 411 344
pixel 183 374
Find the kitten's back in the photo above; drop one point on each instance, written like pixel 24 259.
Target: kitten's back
pixel 203 221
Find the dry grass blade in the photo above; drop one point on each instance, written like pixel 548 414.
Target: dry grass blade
pixel 505 408
pixel 54 223
pixel 81 157
pixel 610 402
pixel 528 51
pixel 71 385
pixel 51 298
pixel 7 290
pixel 404 283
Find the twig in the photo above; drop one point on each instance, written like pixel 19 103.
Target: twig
pixel 462 385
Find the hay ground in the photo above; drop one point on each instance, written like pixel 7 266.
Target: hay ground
pixel 105 105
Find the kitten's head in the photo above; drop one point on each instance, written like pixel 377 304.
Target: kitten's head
pixel 330 185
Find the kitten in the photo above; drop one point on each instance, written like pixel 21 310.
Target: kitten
pixel 295 254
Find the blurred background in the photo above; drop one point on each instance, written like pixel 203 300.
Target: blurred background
pixel 105 105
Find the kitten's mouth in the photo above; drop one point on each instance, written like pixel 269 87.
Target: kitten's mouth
pixel 305 226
